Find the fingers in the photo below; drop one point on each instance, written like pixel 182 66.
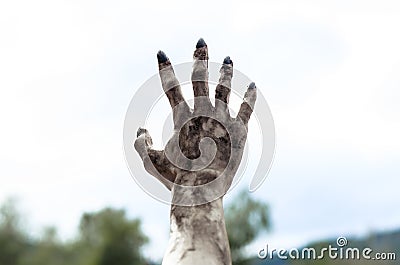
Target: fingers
pixel 200 76
pixel 223 88
pixel 171 86
pixel 246 108
pixel 155 162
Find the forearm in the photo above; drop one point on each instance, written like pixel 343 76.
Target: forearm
pixel 198 235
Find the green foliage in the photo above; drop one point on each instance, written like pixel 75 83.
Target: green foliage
pixel 245 218
pixel 48 250
pixel 107 237
pixel 13 241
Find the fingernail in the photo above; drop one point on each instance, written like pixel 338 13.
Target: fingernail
pixel 201 43
pixel 161 57
pixel 140 131
pixel 252 85
pixel 227 60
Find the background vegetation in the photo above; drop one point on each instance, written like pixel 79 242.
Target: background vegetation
pixel 109 237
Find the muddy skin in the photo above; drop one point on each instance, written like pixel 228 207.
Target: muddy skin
pixel 197 231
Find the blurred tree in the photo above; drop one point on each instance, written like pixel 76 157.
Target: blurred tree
pixel 48 250
pixel 245 218
pixel 13 241
pixel 109 238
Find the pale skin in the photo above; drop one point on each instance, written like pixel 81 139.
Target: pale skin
pixel 197 226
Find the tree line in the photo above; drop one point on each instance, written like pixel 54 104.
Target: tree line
pixel 109 237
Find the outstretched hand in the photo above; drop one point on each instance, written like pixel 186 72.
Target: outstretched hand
pixel 207 142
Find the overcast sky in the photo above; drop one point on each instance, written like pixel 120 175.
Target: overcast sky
pixel 329 70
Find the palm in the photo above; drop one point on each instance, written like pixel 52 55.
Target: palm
pixel 207 142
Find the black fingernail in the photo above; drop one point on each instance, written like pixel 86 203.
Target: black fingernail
pixel 140 131
pixel 227 60
pixel 252 85
pixel 161 57
pixel 201 43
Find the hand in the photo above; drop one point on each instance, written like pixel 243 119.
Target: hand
pixel 207 143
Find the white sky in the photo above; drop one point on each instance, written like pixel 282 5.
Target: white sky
pixel 329 70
